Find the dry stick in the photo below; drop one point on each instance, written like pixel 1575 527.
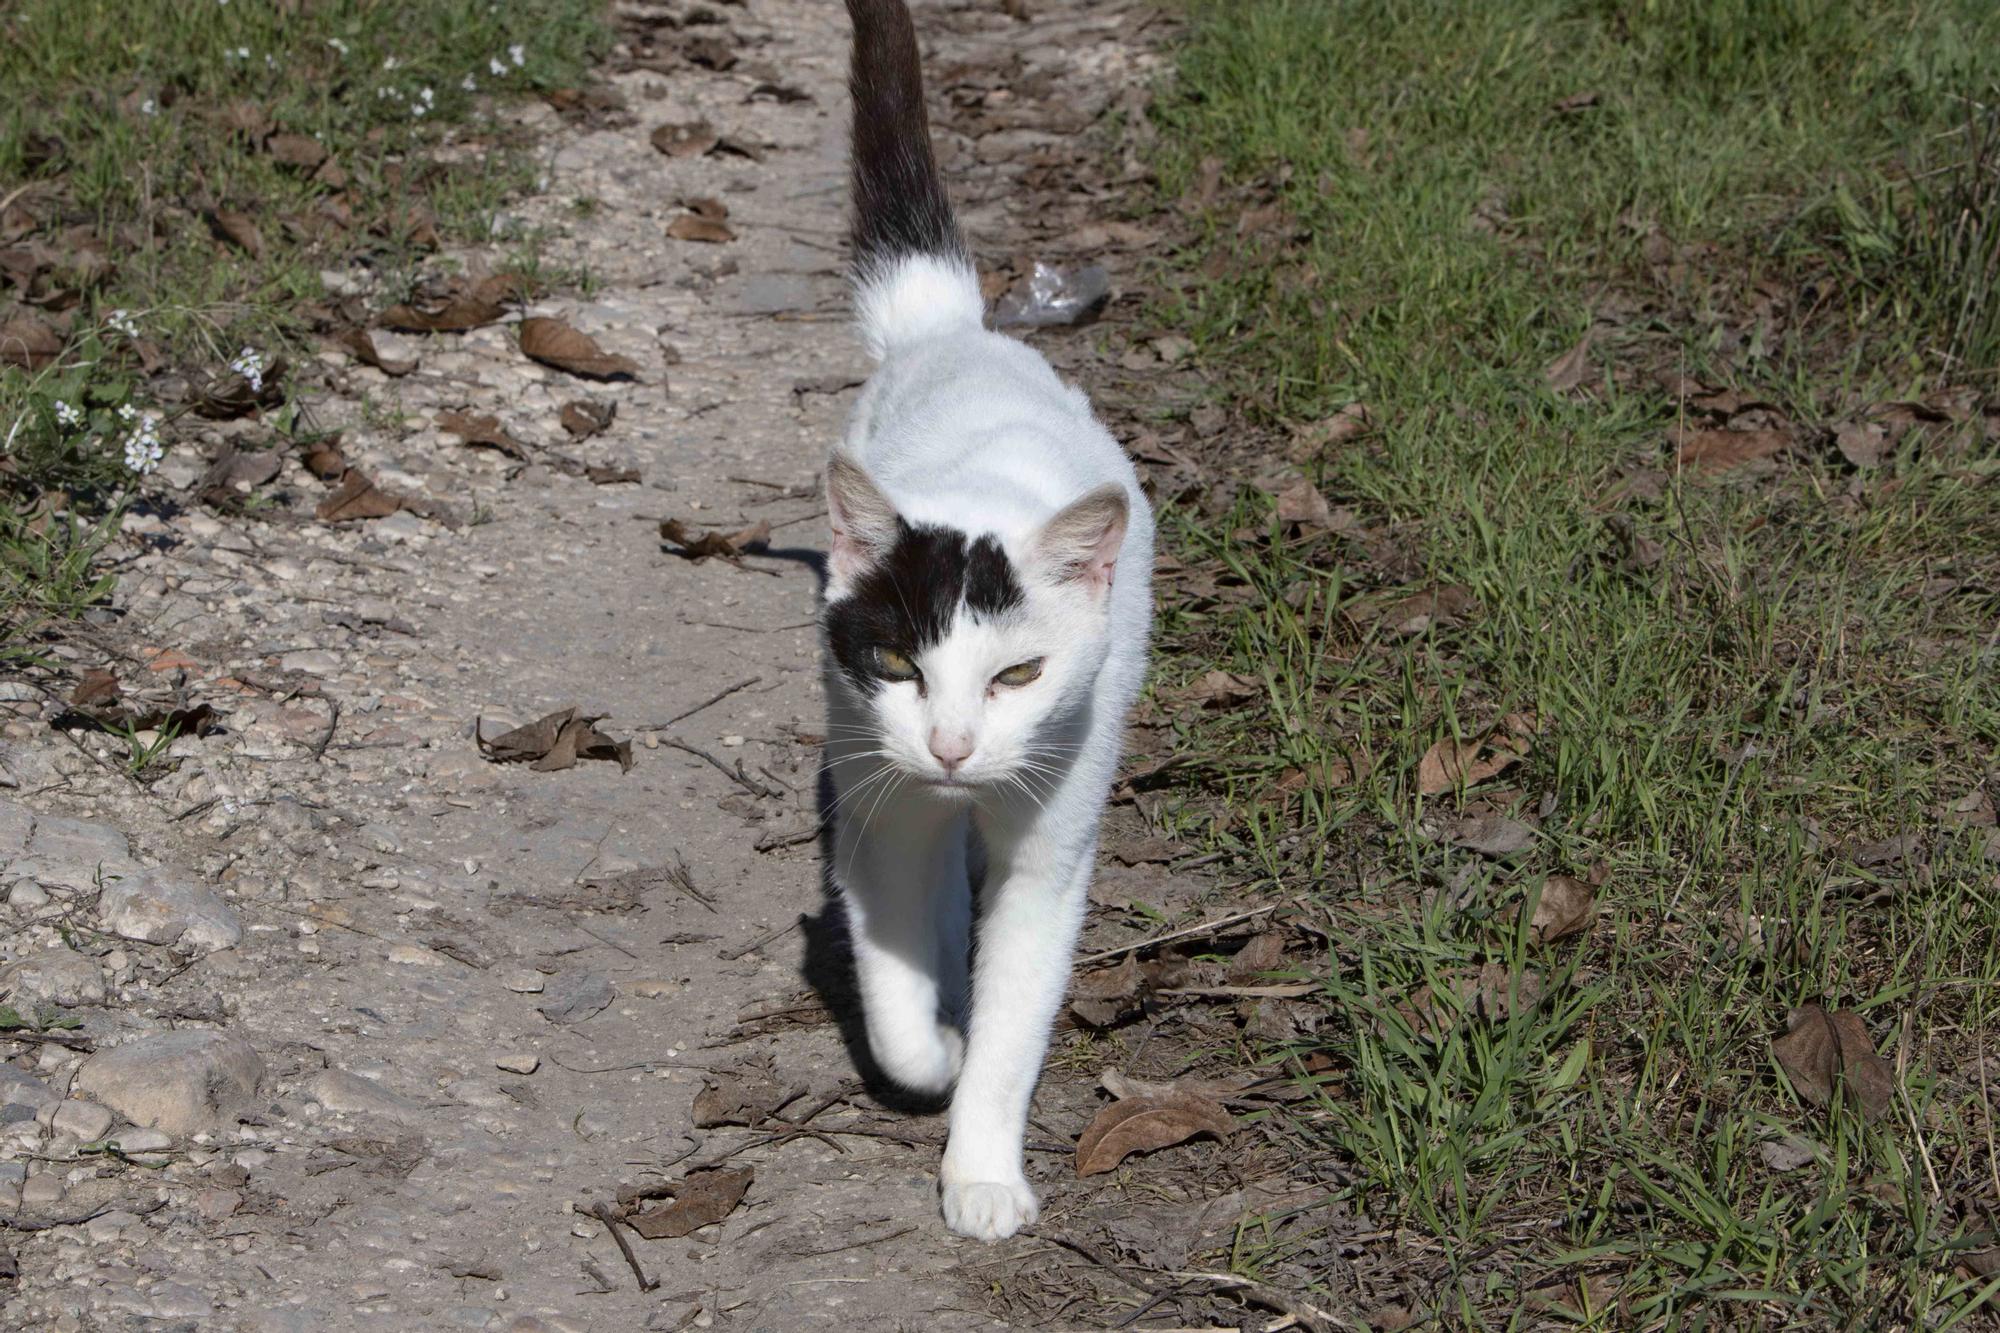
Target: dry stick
pixel 730 955
pixel 852 1245
pixel 319 750
pixel 602 1211
pixel 712 699
pixel 1310 1317
pixel 50 1224
pixel 734 776
pixel 1172 935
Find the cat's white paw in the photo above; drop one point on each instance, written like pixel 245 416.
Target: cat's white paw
pixel 990 1209
pixel 923 1060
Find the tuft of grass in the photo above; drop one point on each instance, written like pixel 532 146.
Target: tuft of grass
pixel 1791 201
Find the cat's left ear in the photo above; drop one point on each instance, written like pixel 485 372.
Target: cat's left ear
pixel 863 519
pixel 1080 544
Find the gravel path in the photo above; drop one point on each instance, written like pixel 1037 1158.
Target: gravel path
pixel 390 1017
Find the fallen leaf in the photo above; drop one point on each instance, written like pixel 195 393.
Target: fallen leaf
pixel 1263 952
pixel 583 418
pixel 709 52
pixel 1887 852
pixel 97 687
pixel 236 229
pixel 1492 835
pixel 740 1097
pixel 1102 997
pixel 1450 762
pixel 1862 443
pixel 363 347
pixel 554 742
pixel 554 343
pixel 296 150
pixel 1219 689
pixel 1317 438
pixel 1301 503
pixel 729 545
pixel 1825 1052
pixel 357 497
pixel 690 140
pixel 1703 450
pixel 483 432
pixel 1568 371
pixel 700 1199
pixel 1438 608
pixel 708 231
pixel 230 396
pixel 1124 1087
pixel 605 474
pixel 1788 1153
pixel 324 459
pixel 235 473
pixel 27 341
pixel 1564 908
pixel 1575 102
pixel 461 305
pixel 1145 1124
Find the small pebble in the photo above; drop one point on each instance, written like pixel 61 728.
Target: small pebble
pixel 519 1064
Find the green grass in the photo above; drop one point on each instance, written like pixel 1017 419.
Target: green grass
pixel 1790 200
pixel 129 128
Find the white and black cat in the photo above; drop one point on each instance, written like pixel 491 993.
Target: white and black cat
pixel 987 607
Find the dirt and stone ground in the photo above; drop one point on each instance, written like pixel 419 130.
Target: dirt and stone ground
pixel 389 1017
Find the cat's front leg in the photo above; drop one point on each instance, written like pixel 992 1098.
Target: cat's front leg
pixel 1027 934
pixel 904 880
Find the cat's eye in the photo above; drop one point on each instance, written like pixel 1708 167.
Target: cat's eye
pixel 895 665
pixel 1020 673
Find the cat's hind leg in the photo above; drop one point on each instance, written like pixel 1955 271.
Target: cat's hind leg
pixel 903 876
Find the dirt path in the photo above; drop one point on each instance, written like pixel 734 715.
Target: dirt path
pixel 477 996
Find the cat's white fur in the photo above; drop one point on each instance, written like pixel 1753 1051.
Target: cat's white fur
pixel 967 428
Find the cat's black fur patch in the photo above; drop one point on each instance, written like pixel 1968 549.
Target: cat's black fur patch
pixel 907 601
pixel 900 204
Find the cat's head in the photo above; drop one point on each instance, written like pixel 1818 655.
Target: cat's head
pixel 965 651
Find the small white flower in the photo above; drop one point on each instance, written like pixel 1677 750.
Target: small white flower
pixel 127 412
pixel 428 95
pixel 337 45
pixel 518 54
pixel 418 108
pixel 496 68
pixel 143 449
pixel 249 363
pixel 270 61
pixel 121 321
pixel 68 415
pixel 240 53
pixel 149 108
pixel 389 62
pixel 469 83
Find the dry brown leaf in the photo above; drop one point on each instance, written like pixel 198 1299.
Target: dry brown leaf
pixel 1434 607
pixel 460 306
pixel 357 497
pixel 324 459
pixel 483 432
pixel 692 139
pixel 1564 908
pixel 1449 762
pixel 301 151
pixel 1862 443
pixel 554 343
pixel 363 347
pixel 1219 689
pixel 554 742
pixel 1824 1052
pixel 606 474
pixel 237 472
pixel 739 1097
pixel 1301 503
pixel 583 418
pixel 230 396
pixel 1263 952
pixel 708 231
pixel 27 341
pixel 236 229
pixel 729 545
pixel 700 1199
pixel 1124 1087
pixel 1102 997
pixel 1145 1124
pixel 1316 438
pixel 1492 835
pixel 1718 450
pixel 97 687
pixel 1568 371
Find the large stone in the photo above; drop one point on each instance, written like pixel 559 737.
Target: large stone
pixel 81 1120
pixel 350 1094
pixel 159 907
pixel 575 996
pixel 19 1089
pixel 180 1082
pixel 16 823
pixel 53 976
pixel 79 845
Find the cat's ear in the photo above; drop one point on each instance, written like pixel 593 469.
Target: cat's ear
pixel 1080 544
pixel 863 520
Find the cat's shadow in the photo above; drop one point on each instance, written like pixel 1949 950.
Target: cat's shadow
pixel 828 969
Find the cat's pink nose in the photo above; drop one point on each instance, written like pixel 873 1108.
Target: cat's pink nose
pixel 950 750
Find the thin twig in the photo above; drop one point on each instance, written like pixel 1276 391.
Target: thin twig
pixel 1202 928
pixel 602 1211
pixel 712 699
pixel 851 1245
pixel 739 778
pixel 735 952
pixel 1310 1317
pixel 319 750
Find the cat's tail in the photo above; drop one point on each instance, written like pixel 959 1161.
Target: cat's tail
pixel 913 277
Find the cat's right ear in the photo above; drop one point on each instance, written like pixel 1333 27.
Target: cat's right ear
pixel 863 520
